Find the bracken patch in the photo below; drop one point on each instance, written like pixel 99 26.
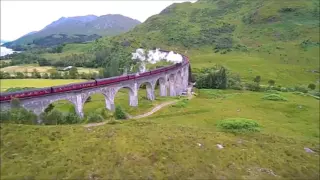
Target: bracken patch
pixel 239 125
pixel 274 97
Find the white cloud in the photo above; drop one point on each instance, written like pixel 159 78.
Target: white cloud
pixel 21 17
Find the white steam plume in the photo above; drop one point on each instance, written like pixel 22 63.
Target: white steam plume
pixel 155 56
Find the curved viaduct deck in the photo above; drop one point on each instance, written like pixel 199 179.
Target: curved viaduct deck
pixel 175 81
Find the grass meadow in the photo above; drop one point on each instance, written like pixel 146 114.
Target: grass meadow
pixel 37 83
pixel 177 142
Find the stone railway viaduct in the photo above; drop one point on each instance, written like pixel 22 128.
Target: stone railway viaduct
pixel 172 83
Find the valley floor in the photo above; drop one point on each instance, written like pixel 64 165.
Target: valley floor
pixel 177 142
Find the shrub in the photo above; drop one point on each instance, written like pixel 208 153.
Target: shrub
pixel 119 113
pixel 72 118
pixel 234 82
pixel 239 125
pixel 237 86
pixel 299 93
pixel 301 89
pixel 4 116
pixel 224 43
pixel 283 89
pixel 290 89
pixel 271 82
pixel 277 88
pixel 312 86
pixel 274 97
pixel 18 116
pixel 253 86
pixel 315 93
pixel 272 91
pixel 212 78
pixel 94 117
pixel 49 108
pixel 257 79
pixel 263 88
pixel 53 117
pixel 104 113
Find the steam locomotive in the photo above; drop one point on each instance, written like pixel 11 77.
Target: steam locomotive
pixel 87 84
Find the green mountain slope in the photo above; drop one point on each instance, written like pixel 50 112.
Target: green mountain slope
pixel 106 25
pixel 275 39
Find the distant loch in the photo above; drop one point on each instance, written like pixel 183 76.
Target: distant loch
pixel 6 51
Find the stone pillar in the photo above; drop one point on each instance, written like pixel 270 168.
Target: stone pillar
pixel 178 84
pixel 38 111
pixel 186 81
pixel 109 95
pixel 172 88
pixel 79 106
pixel 163 87
pixel 110 103
pixel 134 95
pixel 150 91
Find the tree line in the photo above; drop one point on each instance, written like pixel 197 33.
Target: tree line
pixel 54 74
pixel 113 58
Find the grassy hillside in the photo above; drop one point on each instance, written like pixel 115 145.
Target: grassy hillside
pixel 179 142
pixel 274 39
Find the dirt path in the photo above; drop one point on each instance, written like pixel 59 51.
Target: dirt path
pixel 155 109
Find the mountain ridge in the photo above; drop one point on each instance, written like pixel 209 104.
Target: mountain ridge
pixel 105 25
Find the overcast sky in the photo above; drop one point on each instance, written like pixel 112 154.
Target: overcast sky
pixel 21 17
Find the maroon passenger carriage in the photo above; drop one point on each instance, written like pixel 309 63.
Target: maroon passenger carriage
pixel 88 84
pixel 25 94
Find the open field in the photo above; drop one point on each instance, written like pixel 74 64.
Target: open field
pixel 175 143
pixel 28 68
pixel 42 69
pixel 76 47
pixel 37 83
pixel 250 66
